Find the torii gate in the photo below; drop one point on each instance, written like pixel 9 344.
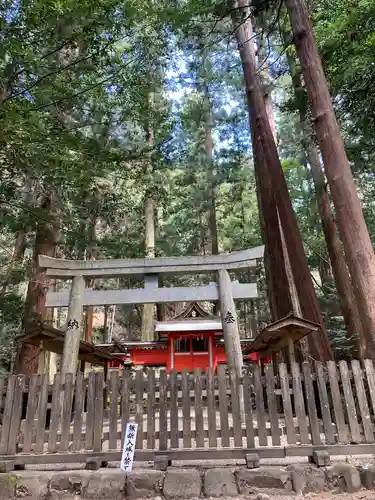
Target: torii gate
pixel 224 290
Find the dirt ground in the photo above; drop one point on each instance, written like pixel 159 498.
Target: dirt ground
pixel 361 495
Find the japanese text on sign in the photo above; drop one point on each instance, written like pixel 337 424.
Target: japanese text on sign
pixel 129 447
pixel 73 323
pixel 229 318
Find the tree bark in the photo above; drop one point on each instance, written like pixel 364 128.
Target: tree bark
pixel 296 307
pixel 148 309
pixel 263 142
pixel 274 258
pixel 147 331
pixel 345 292
pixel 35 311
pixel 341 276
pixel 208 147
pixel 90 283
pixel 19 246
pixel 358 248
pixel 213 242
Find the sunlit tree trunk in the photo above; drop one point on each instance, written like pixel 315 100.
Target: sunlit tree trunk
pixel 147 332
pixel 358 248
pixel 35 311
pixel 264 143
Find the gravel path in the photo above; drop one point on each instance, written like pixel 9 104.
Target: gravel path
pixel 361 495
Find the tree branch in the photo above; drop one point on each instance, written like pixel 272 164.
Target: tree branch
pixel 55 72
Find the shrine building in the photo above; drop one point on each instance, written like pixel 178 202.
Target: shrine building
pixel 192 339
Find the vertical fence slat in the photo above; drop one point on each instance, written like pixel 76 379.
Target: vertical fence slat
pixel 272 406
pixel 250 441
pixel 173 409
pixel 349 401
pixel 338 408
pixel 113 410
pixel 7 415
pixel 42 412
pixel 125 405
pixel 362 402
pixel 32 404
pixel 90 412
pixel 311 405
pixel 16 414
pixel 259 403
pixel 287 404
pixel 211 409
pixel 223 406
pixel 163 423
pixel 55 415
pixel 79 399
pixel 66 412
pixel 151 409
pixel 186 426
pixel 2 403
pixel 299 404
pixel 98 411
pixel 235 392
pixel 370 374
pixel 324 403
pixel 2 390
pixel 198 407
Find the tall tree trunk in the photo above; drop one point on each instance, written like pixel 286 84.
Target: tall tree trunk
pixel 274 259
pixel 358 248
pixel 292 291
pixel 213 242
pixel 345 292
pixel 148 309
pixel 19 246
pixel 147 332
pixel 208 147
pixel 267 95
pixel 35 311
pixel 91 255
pixel 264 143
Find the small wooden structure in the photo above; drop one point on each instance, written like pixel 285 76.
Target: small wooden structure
pixel 276 336
pixel 52 339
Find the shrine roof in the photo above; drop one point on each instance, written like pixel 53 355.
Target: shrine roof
pixel 53 341
pixel 190 325
pixel 275 337
pixel 192 310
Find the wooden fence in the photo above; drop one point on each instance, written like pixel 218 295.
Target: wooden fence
pixel 190 416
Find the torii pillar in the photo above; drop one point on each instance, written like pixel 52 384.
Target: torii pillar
pixel 230 324
pixel 74 327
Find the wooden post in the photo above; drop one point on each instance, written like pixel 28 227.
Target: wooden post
pixel 230 325
pixel 73 328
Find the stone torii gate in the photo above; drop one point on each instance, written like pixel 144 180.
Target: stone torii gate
pixel 224 290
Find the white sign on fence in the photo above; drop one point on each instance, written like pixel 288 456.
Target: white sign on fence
pixel 129 447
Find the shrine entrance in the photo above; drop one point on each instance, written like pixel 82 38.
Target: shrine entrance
pixel 195 342
pixel 190 343
pixel 191 352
